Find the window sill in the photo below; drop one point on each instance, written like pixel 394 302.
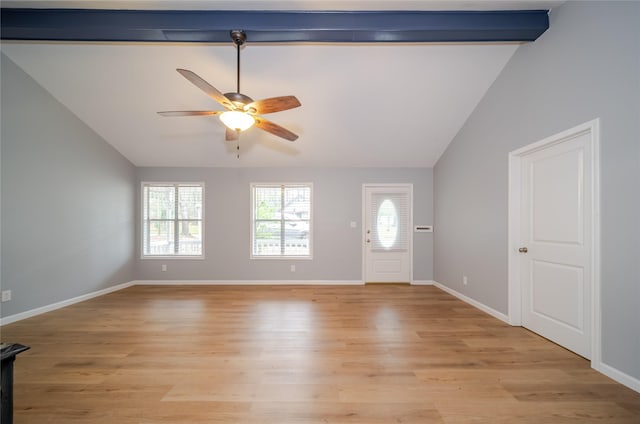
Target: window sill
pixel 170 257
pixel 287 258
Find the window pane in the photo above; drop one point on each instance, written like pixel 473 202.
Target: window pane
pixel 161 202
pixel 189 202
pixel 190 238
pixel 268 202
pixel 387 224
pixel 296 238
pixel 389 211
pixel 297 202
pixel 295 230
pixel 267 238
pixel 161 238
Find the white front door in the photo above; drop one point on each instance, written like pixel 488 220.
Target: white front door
pixel 557 242
pixel 388 242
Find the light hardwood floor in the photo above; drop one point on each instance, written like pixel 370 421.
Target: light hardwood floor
pixel 294 354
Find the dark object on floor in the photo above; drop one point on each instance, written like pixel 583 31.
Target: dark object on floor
pixel 9 352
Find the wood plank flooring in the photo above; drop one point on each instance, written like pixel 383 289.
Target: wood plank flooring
pixel 298 354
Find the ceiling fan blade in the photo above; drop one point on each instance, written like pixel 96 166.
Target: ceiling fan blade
pixel 275 129
pixel 231 135
pixel 189 112
pixel 207 88
pixel 273 104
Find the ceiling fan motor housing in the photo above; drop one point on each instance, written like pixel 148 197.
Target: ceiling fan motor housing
pixel 238 99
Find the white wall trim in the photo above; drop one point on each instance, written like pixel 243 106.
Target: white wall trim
pixel 52 307
pixel 484 308
pixel 617 375
pixel 422 283
pixel 249 282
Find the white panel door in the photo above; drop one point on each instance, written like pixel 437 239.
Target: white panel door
pixel 388 238
pixel 556 196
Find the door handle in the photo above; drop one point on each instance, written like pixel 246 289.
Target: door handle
pixel 523 250
pixel 368 241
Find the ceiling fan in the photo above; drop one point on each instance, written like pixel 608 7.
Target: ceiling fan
pixel 242 111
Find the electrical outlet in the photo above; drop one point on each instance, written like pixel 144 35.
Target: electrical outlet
pixel 164 267
pixel 464 280
pixel 293 268
pixel 6 295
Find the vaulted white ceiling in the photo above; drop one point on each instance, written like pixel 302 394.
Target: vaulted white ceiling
pixel 363 105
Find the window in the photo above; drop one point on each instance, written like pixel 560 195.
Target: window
pixel 281 220
pixel 172 219
pixel 391 213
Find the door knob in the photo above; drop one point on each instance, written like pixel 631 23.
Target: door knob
pixel 368 241
pixel 523 250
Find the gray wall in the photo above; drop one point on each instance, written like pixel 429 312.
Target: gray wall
pixel 337 200
pixel 68 201
pixel 586 66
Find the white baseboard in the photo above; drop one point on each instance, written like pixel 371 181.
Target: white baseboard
pixel 473 302
pixel 248 282
pixel 422 283
pixel 617 375
pixel 48 308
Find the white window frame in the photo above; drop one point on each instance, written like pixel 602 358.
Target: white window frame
pixel 252 222
pixel 142 218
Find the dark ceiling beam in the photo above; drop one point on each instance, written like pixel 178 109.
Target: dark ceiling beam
pixel 272 26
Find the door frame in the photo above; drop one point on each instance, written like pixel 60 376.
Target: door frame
pixel 363 235
pixel 514 281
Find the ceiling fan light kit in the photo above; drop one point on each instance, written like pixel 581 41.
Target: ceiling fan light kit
pixel 242 111
pixel 236 120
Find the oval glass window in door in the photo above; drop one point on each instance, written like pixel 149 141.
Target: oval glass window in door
pixel 387 224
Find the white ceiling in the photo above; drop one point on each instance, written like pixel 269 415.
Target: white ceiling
pixel 366 105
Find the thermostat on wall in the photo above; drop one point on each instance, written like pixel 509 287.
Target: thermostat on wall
pixel 423 229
